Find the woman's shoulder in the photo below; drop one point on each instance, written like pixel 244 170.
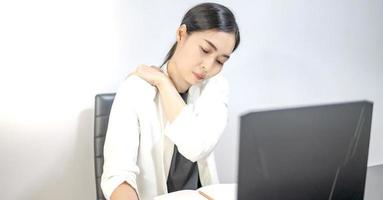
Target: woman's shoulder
pixel 137 87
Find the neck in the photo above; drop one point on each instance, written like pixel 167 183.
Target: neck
pixel 180 84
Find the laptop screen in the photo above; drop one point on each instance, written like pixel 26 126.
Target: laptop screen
pixel 313 152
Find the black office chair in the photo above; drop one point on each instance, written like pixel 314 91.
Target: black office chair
pixel 102 108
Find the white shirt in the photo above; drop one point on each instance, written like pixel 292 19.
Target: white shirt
pixel 139 140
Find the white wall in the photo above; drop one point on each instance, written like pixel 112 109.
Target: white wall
pixel 56 55
pixel 301 53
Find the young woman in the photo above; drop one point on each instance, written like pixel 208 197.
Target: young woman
pixel 165 122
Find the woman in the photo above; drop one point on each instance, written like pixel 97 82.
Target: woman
pixel 165 122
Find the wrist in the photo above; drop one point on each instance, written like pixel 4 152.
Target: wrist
pixel 163 82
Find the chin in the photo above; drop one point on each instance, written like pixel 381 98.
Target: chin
pixel 195 81
pixel 192 82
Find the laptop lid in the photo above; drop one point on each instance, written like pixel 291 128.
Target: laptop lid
pixel 313 152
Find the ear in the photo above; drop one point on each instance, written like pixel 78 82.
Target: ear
pixel 181 33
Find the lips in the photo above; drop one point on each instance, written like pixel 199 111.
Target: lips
pixel 199 76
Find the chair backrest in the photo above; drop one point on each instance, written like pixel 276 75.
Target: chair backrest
pixel 103 105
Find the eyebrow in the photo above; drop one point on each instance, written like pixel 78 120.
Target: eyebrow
pixel 211 44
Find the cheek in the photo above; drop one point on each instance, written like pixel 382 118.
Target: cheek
pixel 192 52
pixel 190 58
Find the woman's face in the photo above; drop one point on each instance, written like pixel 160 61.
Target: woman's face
pixel 209 49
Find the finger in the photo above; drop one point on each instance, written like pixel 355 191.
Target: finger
pixel 156 68
pixel 142 66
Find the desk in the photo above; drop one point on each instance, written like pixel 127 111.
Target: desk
pixel 216 191
pixel 373 188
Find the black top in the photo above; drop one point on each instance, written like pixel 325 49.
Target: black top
pixel 183 174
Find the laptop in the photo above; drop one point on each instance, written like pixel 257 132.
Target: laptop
pixel 305 153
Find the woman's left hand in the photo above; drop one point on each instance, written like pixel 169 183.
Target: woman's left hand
pixel 152 74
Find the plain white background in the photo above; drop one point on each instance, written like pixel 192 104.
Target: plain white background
pixel 55 56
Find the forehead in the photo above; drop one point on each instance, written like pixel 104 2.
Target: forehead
pixel 223 41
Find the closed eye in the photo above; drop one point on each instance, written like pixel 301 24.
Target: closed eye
pixel 205 51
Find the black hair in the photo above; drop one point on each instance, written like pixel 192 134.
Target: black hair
pixel 207 16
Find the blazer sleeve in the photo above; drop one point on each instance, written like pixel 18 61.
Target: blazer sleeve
pixel 199 125
pixel 122 141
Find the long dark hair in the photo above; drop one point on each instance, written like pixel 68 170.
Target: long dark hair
pixel 207 16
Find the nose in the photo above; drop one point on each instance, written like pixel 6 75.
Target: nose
pixel 206 66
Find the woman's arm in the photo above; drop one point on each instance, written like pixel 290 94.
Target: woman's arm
pixel 122 141
pixel 124 192
pixel 196 127
pixel 171 100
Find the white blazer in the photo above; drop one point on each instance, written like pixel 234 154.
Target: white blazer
pixel 139 141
